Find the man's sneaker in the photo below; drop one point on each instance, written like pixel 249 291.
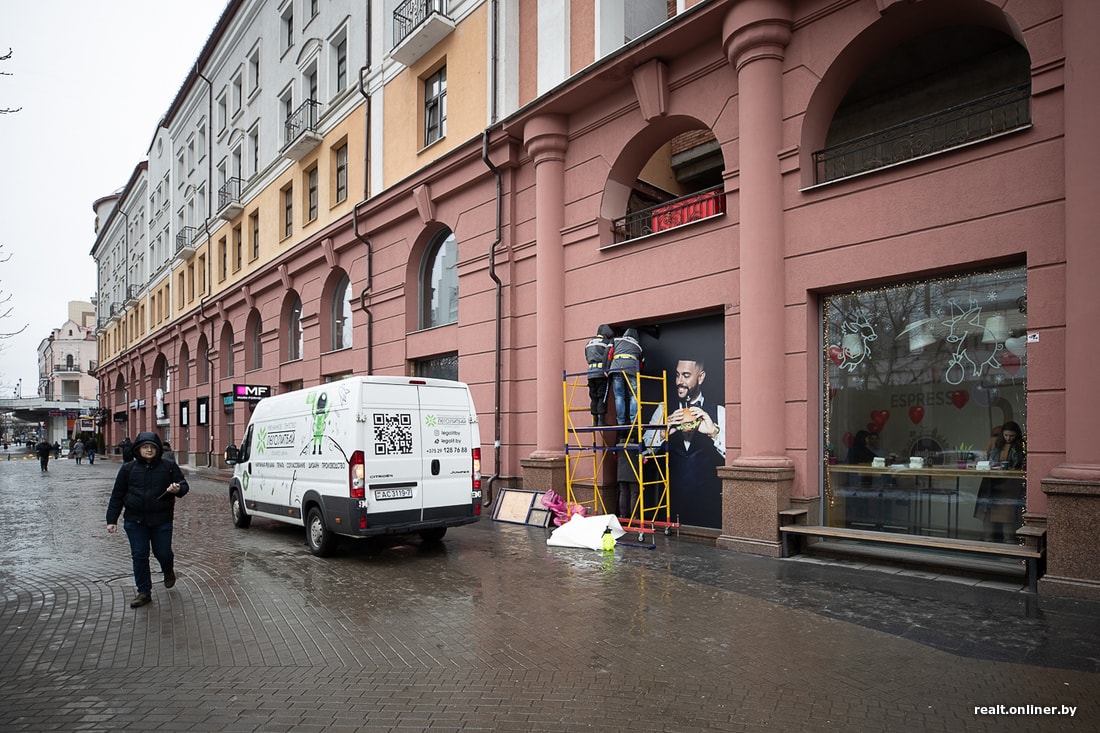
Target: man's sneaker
pixel 140 600
pixel 169 579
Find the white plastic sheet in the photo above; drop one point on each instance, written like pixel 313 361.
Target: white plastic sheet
pixel 585 532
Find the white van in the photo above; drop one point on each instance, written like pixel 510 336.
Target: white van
pixel 360 457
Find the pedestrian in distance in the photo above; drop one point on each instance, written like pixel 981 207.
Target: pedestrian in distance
pixel 90 448
pixel 43 451
pixel 56 449
pixel 146 489
pixel 77 451
pixel 126 448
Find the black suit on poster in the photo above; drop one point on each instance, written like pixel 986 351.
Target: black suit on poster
pixel 694 486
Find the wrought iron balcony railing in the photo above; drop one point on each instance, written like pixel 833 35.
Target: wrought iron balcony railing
pixel 301 120
pixel 186 238
pixel 229 193
pixel 670 214
pixel 410 14
pixel 229 199
pixel 950 128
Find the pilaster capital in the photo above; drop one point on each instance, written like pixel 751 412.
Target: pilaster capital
pixel 756 29
pixel 546 138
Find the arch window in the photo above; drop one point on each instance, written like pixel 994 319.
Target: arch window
pixel 668 177
pixel 184 370
pixel 254 356
pixel 226 349
pixel 295 342
pixel 341 314
pixel 929 94
pixel 439 282
pixel 202 363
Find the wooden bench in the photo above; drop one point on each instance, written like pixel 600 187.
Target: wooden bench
pixel 1032 553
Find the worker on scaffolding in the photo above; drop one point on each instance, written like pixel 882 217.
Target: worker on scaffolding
pixel 597 354
pixel 626 362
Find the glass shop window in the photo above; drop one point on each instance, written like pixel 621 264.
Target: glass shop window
pixel 925 406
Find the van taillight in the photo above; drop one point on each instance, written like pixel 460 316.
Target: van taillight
pixel 476 479
pixel 357 472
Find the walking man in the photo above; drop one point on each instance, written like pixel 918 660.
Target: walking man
pixel 147 489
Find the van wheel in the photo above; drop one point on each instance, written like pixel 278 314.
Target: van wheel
pixel 433 535
pixel 321 541
pixel 236 507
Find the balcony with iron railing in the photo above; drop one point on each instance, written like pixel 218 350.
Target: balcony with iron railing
pixel 132 293
pixel 963 124
pixel 418 26
pixel 229 199
pixel 300 131
pixel 678 212
pixel 186 242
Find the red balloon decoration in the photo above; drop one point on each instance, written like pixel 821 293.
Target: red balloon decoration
pixel 879 417
pixel 1010 363
pixel 916 414
pixel 836 355
pixel 848 438
pixel 959 398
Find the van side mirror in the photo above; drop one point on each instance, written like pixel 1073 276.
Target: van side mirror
pixel 231 455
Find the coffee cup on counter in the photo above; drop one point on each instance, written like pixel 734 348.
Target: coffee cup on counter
pixel 916 462
pixel 878 462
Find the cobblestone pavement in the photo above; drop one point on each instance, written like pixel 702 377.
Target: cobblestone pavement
pixel 493 630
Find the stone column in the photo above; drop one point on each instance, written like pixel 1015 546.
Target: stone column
pixel 757 483
pixel 546 140
pixel 1073 488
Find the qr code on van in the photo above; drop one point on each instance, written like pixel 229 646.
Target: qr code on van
pixel 393 434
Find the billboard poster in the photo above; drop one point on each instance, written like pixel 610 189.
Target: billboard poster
pixel 691 353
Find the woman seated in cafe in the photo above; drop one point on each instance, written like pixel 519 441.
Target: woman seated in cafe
pixel 1000 501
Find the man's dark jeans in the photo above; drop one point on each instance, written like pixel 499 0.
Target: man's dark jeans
pixel 142 537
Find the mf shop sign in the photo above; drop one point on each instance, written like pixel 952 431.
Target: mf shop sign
pixel 250 392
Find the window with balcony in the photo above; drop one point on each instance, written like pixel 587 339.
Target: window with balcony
pixel 435 107
pixel 680 184
pixel 418 26
pixel 952 87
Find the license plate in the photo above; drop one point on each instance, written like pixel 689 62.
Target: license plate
pixel 383 494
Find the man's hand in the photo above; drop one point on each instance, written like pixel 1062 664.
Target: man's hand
pixel 112 528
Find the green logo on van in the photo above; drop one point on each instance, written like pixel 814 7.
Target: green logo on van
pixel 430 421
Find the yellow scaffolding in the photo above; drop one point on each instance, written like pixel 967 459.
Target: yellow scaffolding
pixel 587 447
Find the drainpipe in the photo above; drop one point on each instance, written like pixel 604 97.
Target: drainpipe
pixel 497 319
pixel 209 264
pixel 365 293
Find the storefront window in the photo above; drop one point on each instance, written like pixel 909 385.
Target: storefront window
pixel 924 382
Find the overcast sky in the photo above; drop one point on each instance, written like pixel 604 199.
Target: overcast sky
pixel 91 81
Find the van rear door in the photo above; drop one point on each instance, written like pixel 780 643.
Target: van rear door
pixel 392 454
pixel 446 431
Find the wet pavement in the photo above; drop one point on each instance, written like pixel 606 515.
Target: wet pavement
pixel 492 630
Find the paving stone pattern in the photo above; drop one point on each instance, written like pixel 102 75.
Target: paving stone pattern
pixel 491 630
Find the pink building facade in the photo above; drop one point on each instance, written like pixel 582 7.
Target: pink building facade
pixel 902 243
